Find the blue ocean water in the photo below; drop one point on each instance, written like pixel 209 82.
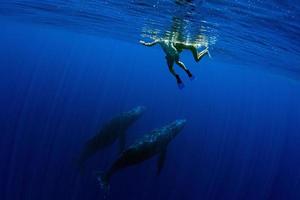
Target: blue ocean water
pixel 66 67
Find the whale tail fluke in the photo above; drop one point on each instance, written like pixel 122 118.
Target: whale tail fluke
pixel 103 180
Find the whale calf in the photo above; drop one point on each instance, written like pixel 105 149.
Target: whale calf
pixel 109 133
pixel 155 143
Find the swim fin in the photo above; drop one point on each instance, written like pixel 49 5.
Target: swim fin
pixel 180 85
pixel 192 77
pixel 179 82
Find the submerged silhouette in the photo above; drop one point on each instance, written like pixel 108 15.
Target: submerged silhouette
pixel 114 129
pixel 155 143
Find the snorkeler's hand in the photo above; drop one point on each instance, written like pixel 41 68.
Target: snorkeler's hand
pixel 148 44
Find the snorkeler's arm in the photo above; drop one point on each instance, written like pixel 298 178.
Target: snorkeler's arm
pixel 149 44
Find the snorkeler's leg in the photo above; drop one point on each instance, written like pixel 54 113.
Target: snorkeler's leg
pixel 181 64
pixel 194 51
pixel 197 56
pixel 190 47
pixel 202 53
pixel 171 69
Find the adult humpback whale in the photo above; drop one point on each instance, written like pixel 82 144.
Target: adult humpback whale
pixel 110 132
pixel 155 143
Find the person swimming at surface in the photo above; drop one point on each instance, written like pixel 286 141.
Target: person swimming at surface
pixel 172 50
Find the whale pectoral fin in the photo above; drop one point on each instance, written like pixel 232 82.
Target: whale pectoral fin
pixel 161 160
pixel 122 142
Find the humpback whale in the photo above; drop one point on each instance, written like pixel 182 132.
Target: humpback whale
pixel 154 143
pixel 109 133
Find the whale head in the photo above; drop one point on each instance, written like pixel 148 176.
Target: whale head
pixel 138 111
pixel 135 114
pixel 176 127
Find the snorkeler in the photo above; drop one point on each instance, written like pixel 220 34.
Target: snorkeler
pixel 172 51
